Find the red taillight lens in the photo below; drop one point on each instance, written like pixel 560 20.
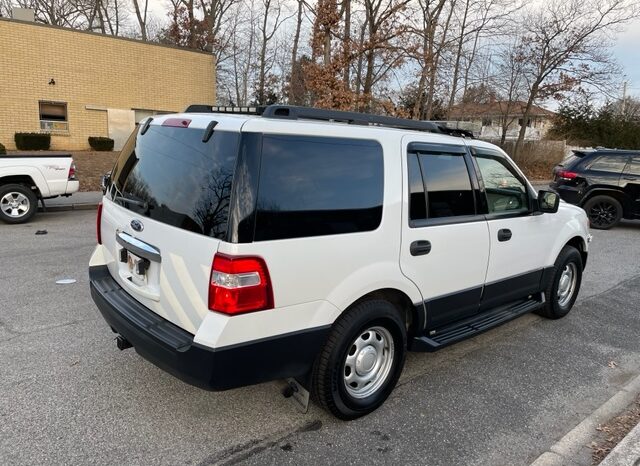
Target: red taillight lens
pixel 177 122
pixel 72 171
pixel 239 284
pixel 98 222
pixel 567 175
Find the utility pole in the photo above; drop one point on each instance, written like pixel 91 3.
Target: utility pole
pixel 623 107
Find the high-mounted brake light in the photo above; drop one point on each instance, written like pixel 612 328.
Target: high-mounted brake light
pixel 239 284
pixel 177 122
pixel 98 223
pixel 567 175
pixel 72 171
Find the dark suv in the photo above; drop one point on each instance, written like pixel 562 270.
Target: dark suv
pixel 604 182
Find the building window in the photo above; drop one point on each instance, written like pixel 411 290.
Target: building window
pixel 53 116
pixel 521 122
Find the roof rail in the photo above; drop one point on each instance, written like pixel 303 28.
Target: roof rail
pixel 292 112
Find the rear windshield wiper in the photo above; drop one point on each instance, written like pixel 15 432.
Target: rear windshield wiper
pixel 143 204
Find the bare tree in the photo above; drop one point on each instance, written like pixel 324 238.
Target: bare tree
pixel 564 45
pixel 141 9
pixel 294 48
pixel 267 28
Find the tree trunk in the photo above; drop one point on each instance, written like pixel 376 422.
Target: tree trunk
pixel 525 117
pixel 294 50
pixel 346 45
pixel 456 66
pixel 142 19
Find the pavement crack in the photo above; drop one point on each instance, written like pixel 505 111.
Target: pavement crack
pixel 242 452
pixel 16 333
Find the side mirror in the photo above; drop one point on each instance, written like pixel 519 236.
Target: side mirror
pixel 105 181
pixel 548 201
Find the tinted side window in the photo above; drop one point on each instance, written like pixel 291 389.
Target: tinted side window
pixel 312 186
pixel 417 198
pixel 609 163
pixel 448 186
pixel 633 167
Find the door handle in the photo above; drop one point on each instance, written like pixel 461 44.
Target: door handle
pixel 504 234
pixel 630 178
pixel 420 248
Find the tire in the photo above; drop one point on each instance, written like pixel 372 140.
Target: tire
pixel 353 349
pixel 603 211
pixel 558 298
pixel 18 203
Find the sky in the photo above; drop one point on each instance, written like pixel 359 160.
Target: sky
pixel 627 52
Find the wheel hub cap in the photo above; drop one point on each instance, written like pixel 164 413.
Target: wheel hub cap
pixel 368 362
pixel 567 284
pixel 14 204
pixel 366 359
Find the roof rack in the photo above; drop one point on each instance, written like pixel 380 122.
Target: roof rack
pixel 291 112
pixel 247 110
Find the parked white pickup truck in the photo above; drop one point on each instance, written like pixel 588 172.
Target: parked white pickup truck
pixel 25 179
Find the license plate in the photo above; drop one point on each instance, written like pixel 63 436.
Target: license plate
pixel 137 266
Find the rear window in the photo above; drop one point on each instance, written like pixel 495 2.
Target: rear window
pixel 312 186
pixel 609 163
pixel 170 175
pixel 446 178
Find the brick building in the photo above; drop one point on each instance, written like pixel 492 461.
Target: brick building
pixel 76 84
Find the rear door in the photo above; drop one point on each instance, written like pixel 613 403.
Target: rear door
pixel 165 214
pixel 630 182
pixel 445 242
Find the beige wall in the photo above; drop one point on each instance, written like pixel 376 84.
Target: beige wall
pixel 94 71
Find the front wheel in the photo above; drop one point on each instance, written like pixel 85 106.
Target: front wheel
pixel 562 291
pixel 18 203
pixel 362 360
pixel 604 212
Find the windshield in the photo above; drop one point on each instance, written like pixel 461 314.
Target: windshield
pixel 170 175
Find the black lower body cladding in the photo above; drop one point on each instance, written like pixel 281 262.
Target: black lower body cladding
pixel 173 349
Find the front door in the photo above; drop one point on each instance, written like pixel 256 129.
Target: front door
pixel 630 182
pixel 445 242
pixel 519 238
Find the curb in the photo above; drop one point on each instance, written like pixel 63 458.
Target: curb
pixel 567 450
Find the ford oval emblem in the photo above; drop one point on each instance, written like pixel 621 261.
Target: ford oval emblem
pixel 137 225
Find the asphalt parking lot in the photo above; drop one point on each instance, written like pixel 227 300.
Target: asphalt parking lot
pixel 68 396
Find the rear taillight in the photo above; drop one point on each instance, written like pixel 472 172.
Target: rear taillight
pixel 239 284
pixel 567 175
pixel 98 222
pixel 72 171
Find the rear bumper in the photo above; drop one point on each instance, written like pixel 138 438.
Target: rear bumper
pixel 173 349
pixel 570 194
pixel 72 186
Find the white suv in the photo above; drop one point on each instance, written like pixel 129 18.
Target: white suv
pixel 321 246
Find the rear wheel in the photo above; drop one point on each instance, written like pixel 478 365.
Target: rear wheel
pixel 604 212
pixel 361 361
pixel 18 203
pixel 562 291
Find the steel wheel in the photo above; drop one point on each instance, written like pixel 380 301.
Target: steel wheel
pixel 15 205
pixel 603 213
pixel 368 362
pixel 567 284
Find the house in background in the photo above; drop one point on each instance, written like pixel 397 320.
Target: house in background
pixel 487 120
pixel 75 84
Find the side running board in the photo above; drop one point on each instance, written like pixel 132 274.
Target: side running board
pixel 468 328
